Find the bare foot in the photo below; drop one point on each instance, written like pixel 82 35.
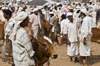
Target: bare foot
pixel 76 61
pixel 89 64
pixel 80 64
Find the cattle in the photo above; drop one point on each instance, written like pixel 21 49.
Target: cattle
pixel 2 30
pixel 46 26
pixel 43 49
pixel 95 35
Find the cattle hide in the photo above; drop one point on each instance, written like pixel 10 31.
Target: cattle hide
pixel 43 50
pixel 95 35
pixel 2 30
pixel 46 25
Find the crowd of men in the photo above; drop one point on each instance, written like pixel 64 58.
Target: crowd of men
pixel 73 21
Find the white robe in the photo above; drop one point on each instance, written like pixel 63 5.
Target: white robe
pixel 22 49
pixel 85 33
pixel 35 24
pixel 8 28
pixel 62 25
pixel 71 30
pixel 93 14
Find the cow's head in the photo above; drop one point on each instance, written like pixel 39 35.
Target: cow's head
pixel 46 46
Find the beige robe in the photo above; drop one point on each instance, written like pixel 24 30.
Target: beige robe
pixel 85 33
pixel 34 25
pixel 22 49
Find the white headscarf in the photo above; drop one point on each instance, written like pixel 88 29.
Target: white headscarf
pixel 90 9
pixel 84 11
pixel 19 19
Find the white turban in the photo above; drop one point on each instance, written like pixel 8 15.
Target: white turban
pixel 69 14
pixel 20 9
pixel 19 19
pixel 84 11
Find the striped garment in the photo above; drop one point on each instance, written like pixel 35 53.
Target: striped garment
pixel 22 49
pixel 8 28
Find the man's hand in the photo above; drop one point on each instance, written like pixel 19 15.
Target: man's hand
pixel 10 48
pixel 68 42
pixel 48 29
pixel 36 60
pixel 96 22
pixel 9 53
pixel 31 37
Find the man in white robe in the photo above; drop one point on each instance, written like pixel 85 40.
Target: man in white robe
pixel 22 48
pixel 34 22
pixel 63 17
pixel 70 30
pixel 85 36
pixel 92 14
pixel 8 28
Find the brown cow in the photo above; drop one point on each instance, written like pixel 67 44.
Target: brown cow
pixel 43 49
pixel 46 25
pixel 2 30
pixel 96 35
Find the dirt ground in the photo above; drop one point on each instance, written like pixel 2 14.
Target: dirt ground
pixel 63 60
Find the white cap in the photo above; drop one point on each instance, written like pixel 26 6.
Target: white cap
pixel 83 7
pixel 10 4
pixel 35 9
pixel 70 8
pixel 39 7
pixel 69 14
pixel 49 6
pixel 31 8
pixel 51 13
pixel 58 4
pixel 3 8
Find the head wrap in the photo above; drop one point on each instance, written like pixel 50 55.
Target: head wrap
pixel 19 19
pixel 90 9
pixel 84 11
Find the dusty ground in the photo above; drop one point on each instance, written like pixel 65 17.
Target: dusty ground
pixel 63 60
